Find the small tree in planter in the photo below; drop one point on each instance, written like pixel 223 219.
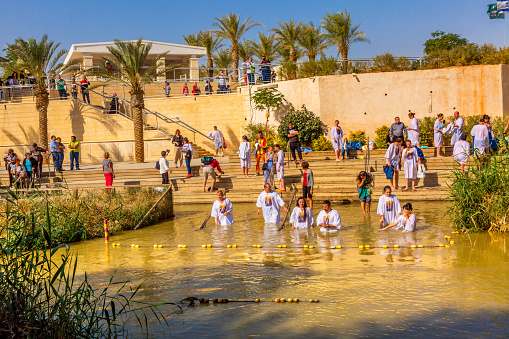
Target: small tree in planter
pixel 267 99
pixel 309 125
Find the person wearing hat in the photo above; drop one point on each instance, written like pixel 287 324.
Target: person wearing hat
pixel 9 159
pixel 37 154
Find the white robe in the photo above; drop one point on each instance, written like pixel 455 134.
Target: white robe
pixel 245 154
pixel 414 133
pixel 270 203
pixel 461 151
pixel 408 224
pixel 457 131
pixel 437 136
pixel 302 219
pixel 481 138
pixel 390 208
pixel 331 219
pixel 411 159
pixel 218 208
pixel 336 137
pixel 393 155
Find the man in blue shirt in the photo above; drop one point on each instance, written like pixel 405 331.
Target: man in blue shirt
pixel 54 152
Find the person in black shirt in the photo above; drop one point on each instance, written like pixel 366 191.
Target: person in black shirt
pixel 38 154
pixel 293 136
pixel 178 142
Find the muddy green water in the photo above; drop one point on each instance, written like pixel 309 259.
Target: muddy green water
pixel 461 291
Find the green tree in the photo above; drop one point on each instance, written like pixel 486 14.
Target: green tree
pixel 266 46
pixel 245 50
pixel 223 59
pixel 267 99
pixel 387 62
pixel 210 42
pixel 312 41
pixel 128 68
pixel 443 41
pixel 342 33
pixel 231 28
pixel 309 125
pixel 288 35
pixel 39 59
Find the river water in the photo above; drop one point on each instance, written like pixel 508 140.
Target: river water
pixel 459 291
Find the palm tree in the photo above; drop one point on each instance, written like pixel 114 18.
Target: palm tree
pixel 212 44
pixel 288 35
pixel 342 33
pixel 312 41
pixel 231 29
pixel 245 50
pixel 39 59
pixel 191 39
pixel 223 59
pixel 128 68
pixel 267 46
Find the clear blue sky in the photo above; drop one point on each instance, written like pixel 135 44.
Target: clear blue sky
pixel 399 27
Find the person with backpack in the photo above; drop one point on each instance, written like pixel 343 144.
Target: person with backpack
pixel 187 149
pixel 164 168
pixel 209 169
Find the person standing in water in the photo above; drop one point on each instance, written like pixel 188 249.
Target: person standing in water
pixel 365 183
pixel 270 202
pixel 222 210
pixel 280 167
pixel 407 221
pixel 307 183
pixel 302 217
pixel 328 219
pixel 388 208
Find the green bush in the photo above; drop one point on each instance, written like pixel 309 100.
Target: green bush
pixel 381 137
pixel 251 131
pixel 309 125
pixel 322 144
pixel 426 125
pixel 358 135
pixel 324 66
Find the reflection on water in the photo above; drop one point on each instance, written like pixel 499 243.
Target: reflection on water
pixel 459 291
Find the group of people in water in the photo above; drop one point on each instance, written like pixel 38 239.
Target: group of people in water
pixel 270 203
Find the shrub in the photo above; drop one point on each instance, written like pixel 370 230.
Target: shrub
pixel 426 125
pixel 358 135
pixel 252 130
pixel 381 137
pixel 322 144
pixel 287 70
pixel 322 67
pixel 309 125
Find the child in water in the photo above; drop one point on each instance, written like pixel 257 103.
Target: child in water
pixel 388 207
pixel 407 220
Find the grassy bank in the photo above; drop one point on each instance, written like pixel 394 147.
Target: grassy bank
pixel 76 215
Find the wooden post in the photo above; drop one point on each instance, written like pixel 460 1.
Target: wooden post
pixel 153 207
pixel 106 233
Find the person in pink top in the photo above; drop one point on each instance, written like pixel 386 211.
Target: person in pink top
pixel 185 90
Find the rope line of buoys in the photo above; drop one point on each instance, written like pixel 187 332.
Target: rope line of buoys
pixel 192 300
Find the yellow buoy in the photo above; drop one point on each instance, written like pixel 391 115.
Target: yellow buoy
pixel 396 246
pixel 183 246
pixel 413 246
pixel 447 246
pixel 209 245
pixel 228 246
pixel 311 246
pixel 113 245
pixel 234 246
pixel 155 246
pixel 132 245
pixel 306 246
pixel 361 247
pixel 420 246
pixel 284 246
pixel 367 247
pixel 203 246
pixel 278 246
pixel 136 246
pixel 257 300
pixel 333 247
pixel 452 242
pixel 118 244
pixel 289 300
pixel 254 246
pixel 338 247
pixel 441 245
pixel 384 246
pixel 258 246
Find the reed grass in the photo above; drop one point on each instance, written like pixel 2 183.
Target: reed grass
pixel 76 215
pixel 479 199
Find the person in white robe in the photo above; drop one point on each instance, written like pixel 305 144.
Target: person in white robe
pixel 336 138
pixel 222 210
pixel 438 133
pixel 411 161
pixel 407 221
pixel 457 129
pixel 393 158
pixel 302 216
pixel 388 207
pixel 480 134
pixel 461 151
pixel 245 156
pixel 328 219
pixel 413 130
pixel 270 203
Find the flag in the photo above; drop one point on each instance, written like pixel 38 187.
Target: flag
pixel 503 6
pixel 494 13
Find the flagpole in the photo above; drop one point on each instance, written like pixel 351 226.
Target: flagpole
pixel 504 30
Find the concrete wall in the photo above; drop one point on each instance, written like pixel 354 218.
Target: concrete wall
pixel 367 101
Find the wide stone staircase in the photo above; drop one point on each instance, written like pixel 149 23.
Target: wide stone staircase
pixel 333 180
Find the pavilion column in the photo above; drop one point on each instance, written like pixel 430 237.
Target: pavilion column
pixel 194 72
pixel 88 62
pixel 161 64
